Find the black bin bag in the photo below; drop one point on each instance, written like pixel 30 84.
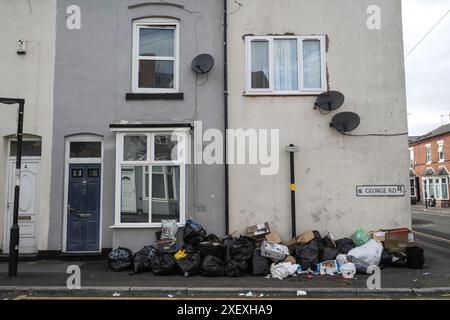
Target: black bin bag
pixel 241 250
pixel 189 265
pixel 344 245
pixel 120 259
pixel 307 255
pixel 259 266
pixel 327 253
pixel 141 260
pixel 210 249
pixel 236 268
pixel 415 257
pixel 212 267
pixel 193 233
pixel 163 264
pixel 386 259
pixel 226 252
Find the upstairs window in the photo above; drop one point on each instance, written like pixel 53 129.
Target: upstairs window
pixel 428 153
pixel 286 65
pixel 441 154
pixel 411 158
pixel 155 56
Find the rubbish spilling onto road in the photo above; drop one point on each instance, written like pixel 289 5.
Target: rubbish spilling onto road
pixel 260 251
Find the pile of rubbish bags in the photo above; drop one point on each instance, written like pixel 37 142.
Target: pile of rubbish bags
pixel 190 251
pixel 200 254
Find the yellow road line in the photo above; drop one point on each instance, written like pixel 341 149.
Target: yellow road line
pixel 431 237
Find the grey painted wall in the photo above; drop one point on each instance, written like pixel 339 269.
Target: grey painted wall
pixel 92 76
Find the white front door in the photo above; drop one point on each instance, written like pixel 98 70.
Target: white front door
pixel 28 205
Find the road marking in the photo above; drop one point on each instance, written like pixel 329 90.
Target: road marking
pixel 431 237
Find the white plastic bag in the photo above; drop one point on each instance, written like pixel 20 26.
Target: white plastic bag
pixel 169 229
pixel 283 270
pixel 369 253
pixel 341 259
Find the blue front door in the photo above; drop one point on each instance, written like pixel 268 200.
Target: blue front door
pixel 83 211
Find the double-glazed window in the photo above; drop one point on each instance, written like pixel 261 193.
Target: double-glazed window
pixel 155 55
pixel 286 65
pixel 437 188
pixel 150 177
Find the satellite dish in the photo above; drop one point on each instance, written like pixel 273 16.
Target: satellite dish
pixel 345 121
pixel 329 101
pixel 203 63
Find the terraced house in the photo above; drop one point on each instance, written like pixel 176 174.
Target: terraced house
pixel 429 165
pixel 123 95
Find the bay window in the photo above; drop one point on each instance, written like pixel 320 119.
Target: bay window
pixel 437 188
pixel 286 65
pixel 150 177
pixel 155 55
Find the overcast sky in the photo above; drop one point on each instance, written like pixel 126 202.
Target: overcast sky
pixel 428 66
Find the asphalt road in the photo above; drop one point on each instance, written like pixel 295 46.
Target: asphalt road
pixel 432 233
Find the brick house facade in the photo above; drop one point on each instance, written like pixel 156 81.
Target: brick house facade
pixel 430 165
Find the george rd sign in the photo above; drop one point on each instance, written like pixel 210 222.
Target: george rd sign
pixel 380 191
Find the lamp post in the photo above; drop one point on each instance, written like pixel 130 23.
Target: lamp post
pixel 14 234
pixel 292 150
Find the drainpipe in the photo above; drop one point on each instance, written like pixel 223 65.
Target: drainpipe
pixel 225 98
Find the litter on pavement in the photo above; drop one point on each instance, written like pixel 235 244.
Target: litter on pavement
pixel 260 251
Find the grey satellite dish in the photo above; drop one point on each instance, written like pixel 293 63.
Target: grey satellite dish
pixel 345 121
pixel 329 101
pixel 203 63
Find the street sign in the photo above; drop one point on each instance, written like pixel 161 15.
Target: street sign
pixel 381 191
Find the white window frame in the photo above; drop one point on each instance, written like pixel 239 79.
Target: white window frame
pixel 428 153
pixel 413 194
pixel 183 136
pixel 441 147
pixel 271 90
pixel 149 23
pixel 411 158
pixel 437 187
pixel 446 186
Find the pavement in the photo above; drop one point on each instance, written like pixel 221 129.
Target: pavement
pixel 432 230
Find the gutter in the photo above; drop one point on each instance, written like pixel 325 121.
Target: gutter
pixel 225 97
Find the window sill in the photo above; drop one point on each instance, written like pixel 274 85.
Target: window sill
pixel 154 96
pixel 281 94
pixel 141 226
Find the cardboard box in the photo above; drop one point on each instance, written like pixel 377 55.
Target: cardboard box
pixel 379 235
pixel 304 238
pixel 274 251
pixel 258 230
pixel 274 237
pixel 328 268
pixel 398 239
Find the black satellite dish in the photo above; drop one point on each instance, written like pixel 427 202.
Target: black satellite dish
pixel 203 63
pixel 345 121
pixel 329 101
